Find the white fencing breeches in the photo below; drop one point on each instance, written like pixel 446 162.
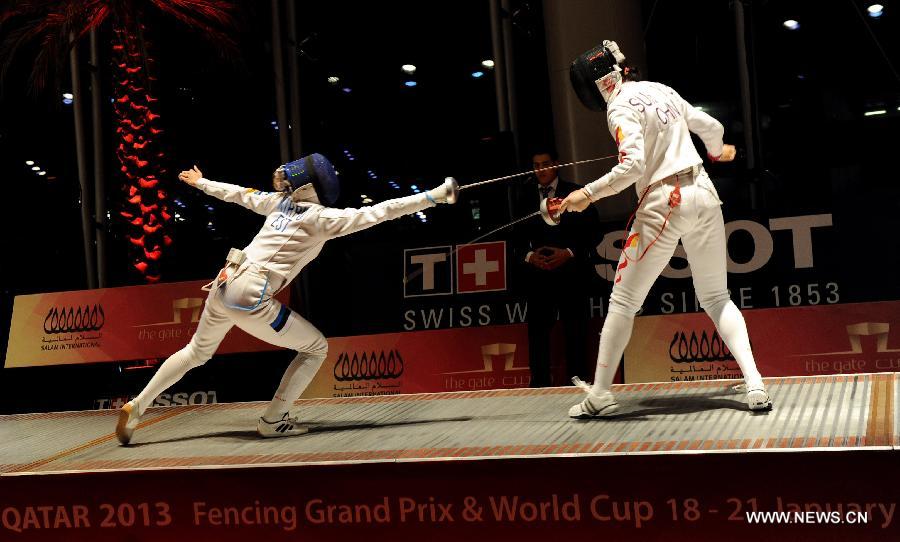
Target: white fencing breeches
pixel 246 302
pixel 698 223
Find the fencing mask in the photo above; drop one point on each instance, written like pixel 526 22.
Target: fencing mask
pixel 596 75
pixel 310 178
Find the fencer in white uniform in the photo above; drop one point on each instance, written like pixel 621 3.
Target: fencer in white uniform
pixel 651 124
pixel 297 224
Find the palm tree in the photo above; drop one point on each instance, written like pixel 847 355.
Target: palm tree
pixel 56 25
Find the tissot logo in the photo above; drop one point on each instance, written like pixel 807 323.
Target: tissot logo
pixel 431 271
pixel 684 349
pixel 368 366
pixel 74 319
pixel 803 229
pixel 427 271
pixel 481 267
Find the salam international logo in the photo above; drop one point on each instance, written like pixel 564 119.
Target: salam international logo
pixel 73 327
pixel 694 349
pixel 368 366
pixel 74 319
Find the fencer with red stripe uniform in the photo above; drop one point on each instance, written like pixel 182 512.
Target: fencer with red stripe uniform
pixel 652 126
pixel 295 230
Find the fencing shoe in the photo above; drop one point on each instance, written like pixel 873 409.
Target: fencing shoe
pixel 758 398
pixel 285 427
pixel 593 406
pixel 129 417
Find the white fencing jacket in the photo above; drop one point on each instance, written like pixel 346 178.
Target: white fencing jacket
pixel 651 124
pixel 294 232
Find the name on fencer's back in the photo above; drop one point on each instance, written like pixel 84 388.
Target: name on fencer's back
pixel 287 212
pixel 659 105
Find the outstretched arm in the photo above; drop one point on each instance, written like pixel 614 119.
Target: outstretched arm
pixel 259 202
pixel 339 222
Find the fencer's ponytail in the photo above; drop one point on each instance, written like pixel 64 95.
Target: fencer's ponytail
pixel 630 73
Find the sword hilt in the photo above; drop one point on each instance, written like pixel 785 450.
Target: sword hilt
pixel 550 210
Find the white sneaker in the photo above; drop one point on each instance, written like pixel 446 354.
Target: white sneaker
pixel 285 427
pixel 129 418
pixel 758 398
pixel 593 406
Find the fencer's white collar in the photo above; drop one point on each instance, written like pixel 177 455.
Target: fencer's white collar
pixel 306 193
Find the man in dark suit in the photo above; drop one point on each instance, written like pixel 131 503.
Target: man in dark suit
pixel 553 265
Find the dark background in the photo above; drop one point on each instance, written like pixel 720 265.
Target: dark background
pixel 819 153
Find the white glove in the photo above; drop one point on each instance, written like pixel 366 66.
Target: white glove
pixel 577 200
pixel 445 193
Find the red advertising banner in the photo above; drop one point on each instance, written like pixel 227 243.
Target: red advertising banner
pixel 112 324
pixel 795 341
pixel 154 321
pixel 456 359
